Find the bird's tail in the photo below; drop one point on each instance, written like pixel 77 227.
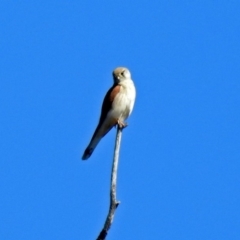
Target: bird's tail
pixel 90 148
pixel 100 132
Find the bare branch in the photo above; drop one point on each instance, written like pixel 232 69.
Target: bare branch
pixel 113 200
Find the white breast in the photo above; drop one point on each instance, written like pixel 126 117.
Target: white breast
pixel 123 103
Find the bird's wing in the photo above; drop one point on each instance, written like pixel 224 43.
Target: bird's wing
pixel 107 102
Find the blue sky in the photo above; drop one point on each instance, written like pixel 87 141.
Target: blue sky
pixel 179 164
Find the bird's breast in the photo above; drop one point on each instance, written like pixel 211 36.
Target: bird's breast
pixel 123 103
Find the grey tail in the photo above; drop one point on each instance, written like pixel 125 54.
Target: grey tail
pixel 97 136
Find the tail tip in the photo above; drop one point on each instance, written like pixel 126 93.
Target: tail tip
pixel 87 153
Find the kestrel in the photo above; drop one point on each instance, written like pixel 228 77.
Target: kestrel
pixel 116 108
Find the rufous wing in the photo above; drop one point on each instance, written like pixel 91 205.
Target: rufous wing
pixel 104 125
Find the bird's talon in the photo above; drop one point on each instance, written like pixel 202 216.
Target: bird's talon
pixel 122 124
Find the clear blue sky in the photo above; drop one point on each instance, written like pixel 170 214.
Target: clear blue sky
pixel 179 170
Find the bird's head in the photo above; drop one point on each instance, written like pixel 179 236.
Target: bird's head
pixel 120 74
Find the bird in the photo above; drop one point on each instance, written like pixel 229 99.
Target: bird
pixel 116 107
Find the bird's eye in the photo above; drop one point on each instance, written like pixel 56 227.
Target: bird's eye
pixel 122 73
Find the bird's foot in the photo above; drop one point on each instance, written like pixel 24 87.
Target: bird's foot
pixel 121 124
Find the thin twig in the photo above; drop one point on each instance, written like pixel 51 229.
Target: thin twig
pixel 113 200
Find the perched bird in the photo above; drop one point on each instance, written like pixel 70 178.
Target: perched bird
pixel 117 106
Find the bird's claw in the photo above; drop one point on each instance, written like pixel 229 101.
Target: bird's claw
pixel 122 124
